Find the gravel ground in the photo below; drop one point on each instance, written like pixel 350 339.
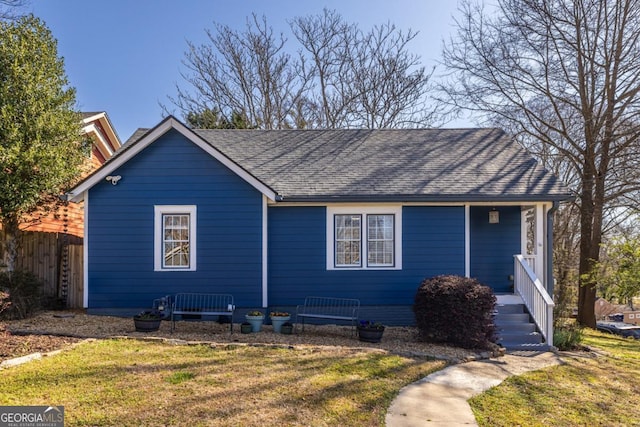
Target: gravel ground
pixel 53 330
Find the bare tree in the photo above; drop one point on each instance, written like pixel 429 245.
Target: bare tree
pixel 246 73
pixel 327 40
pixel 342 77
pixel 9 9
pixel 566 75
pixel 389 83
pixel 368 80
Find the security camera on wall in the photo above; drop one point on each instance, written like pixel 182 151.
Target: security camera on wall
pixel 113 179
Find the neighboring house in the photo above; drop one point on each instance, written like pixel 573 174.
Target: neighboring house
pixel 97 128
pixel 50 235
pixel 606 310
pixel 272 216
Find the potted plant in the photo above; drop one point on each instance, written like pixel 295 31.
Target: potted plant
pixel 370 331
pixel 287 328
pixel 278 318
pixel 255 318
pixel 147 321
pixel 245 327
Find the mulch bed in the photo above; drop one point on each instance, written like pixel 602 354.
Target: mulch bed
pixel 53 330
pixel 16 345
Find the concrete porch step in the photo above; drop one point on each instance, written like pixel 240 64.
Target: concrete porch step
pixel 520 338
pixel 511 318
pixel 510 308
pixel 515 329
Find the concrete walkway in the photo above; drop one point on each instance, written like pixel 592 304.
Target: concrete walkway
pixel 441 398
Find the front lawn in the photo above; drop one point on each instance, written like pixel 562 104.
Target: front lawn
pixel 601 388
pixel 136 383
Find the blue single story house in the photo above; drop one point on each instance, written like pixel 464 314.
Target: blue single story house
pixel 273 216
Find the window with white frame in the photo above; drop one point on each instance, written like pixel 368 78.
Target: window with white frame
pixel 175 238
pixel 348 241
pixel 364 237
pixel 380 240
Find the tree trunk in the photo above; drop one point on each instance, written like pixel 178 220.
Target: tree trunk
pixel 587 285
pixel 11 243
pixel 591 218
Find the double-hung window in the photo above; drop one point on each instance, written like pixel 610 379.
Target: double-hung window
pixel 175 238
pixel 348 240
pixel 364 238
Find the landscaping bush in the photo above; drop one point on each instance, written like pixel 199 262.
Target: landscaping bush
pixel 455 310
pixel 568 336
pixel 23 294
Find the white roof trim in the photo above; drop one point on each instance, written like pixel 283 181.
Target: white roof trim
pixel 95 117
pixel 76 194
pixel 99 141
pixel 109 131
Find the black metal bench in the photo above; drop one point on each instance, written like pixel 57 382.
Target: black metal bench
pixel 202 305
pixel 337 309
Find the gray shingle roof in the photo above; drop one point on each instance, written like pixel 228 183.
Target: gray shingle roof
pixel 432 165
pixel 409 164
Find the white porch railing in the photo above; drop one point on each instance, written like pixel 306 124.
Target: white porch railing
pixel 531 260
pixel 535 297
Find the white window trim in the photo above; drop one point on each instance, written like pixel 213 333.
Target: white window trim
pixel 364 211
pixel 160 210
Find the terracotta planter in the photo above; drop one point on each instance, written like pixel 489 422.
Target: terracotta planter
pixel 147 325
pixel 370 334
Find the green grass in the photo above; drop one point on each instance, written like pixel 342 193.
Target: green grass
pixel 134 383
pixel 593 389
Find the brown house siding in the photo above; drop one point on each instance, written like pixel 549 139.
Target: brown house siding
pixel 51 243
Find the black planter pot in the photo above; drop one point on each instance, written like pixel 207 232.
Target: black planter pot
pixel 370 334
pixel 147 325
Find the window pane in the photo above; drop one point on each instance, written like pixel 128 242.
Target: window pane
pixel 380 240
pixel 176 240
pixel 347 240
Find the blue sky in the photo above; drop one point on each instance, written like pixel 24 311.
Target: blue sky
pixel 124 56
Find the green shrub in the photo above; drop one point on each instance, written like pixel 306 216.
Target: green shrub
pixel 455 310
pixel 24 292
pixel 568 336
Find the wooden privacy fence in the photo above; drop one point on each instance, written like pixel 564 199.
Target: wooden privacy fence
pixel 43 254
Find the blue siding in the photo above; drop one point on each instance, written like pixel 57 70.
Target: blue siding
pixel 173 171
pixel 493 246
pixel 433 243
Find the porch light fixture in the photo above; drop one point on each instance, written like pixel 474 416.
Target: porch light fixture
pixel 494 216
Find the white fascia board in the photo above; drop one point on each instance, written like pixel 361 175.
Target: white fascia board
pixel 171 123
pixel 111 134
pixel 106 126
pixel 98 140
pixel 93 118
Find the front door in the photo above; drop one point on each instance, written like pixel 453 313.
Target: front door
pixel 495 236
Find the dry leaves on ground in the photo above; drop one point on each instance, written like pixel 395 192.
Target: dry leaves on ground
pixel 52 330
